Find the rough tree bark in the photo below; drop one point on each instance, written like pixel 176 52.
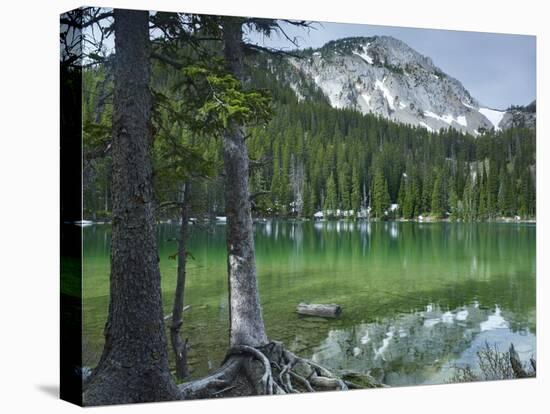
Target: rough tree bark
pixel 246 322
pixel 134 364
pixel 178 343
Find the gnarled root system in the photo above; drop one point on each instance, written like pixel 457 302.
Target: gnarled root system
pixel 268 370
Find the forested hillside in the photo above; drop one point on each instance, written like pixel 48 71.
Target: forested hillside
pixel 312 158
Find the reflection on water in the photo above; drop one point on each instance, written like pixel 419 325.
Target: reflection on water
pixel 421 347
pixel 417 298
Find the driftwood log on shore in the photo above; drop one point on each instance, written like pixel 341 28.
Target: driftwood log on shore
pixel 317 309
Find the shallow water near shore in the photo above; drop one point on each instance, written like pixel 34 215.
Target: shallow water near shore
pixel 417 298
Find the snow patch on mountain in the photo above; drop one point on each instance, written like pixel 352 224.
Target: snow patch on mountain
pixel 364 54
pixel 445 118
pixel 493 116
pixel 467 105
pixel 461 120
pixel 448 118
pixel 425 125
pixel 366 97
pixel 389 98
pixel 296 90
pixel 332 90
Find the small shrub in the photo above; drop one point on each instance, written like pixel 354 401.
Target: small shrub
pixel 494 365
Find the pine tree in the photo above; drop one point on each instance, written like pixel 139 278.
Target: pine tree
pixel 438 196
pixel 468 199
pixel 483 196
pixel 402 195
pixel 526 205
pixel 511 194
pixel 427 191
pixel 313 204
pixel 381 197
pixel 454 205
pixel 475 198
pixel 414 195
pixel 531 197
pixel 355 190
pixel 344 187
pixel 276 185
pixel 409 201
pixel 502 206
pixel 492 190
pixel 330 204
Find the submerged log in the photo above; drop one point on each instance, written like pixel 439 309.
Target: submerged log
pixel 356 380
pixel 318 309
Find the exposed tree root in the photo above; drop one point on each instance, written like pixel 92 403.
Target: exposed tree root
pixel 268 370
pixel 214 384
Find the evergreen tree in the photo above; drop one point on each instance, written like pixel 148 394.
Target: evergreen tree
pixel 475 198
pixel 531 197
pixel 454 205
pixel 276 184
pixel 438 198
pixel 512 194
pixel 427 191
pixel 344 187
pixel 503 189
pixel 381 197
pixel 402 196
pixel 309 202
pixel 468 199
pixel 526 196
pixel 409 201
pixel 414 195
pixel 492 190
pixel 355 191
pixel 330 204
pixel 313 200
pixel 483 196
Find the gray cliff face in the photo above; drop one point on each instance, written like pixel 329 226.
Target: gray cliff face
pixel 384 76
pixel 520 117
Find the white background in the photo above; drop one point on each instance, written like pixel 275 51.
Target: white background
pixel 29 190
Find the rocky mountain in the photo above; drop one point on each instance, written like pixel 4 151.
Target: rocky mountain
pixel 384 76
pixel 520 116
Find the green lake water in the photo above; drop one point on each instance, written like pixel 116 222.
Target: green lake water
pixel 417 298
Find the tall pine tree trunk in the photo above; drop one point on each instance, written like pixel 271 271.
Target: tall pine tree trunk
pixel 134 364
pixel 178 344
pixel 246 322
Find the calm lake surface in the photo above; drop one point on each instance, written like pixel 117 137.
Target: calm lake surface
pixel 418 298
